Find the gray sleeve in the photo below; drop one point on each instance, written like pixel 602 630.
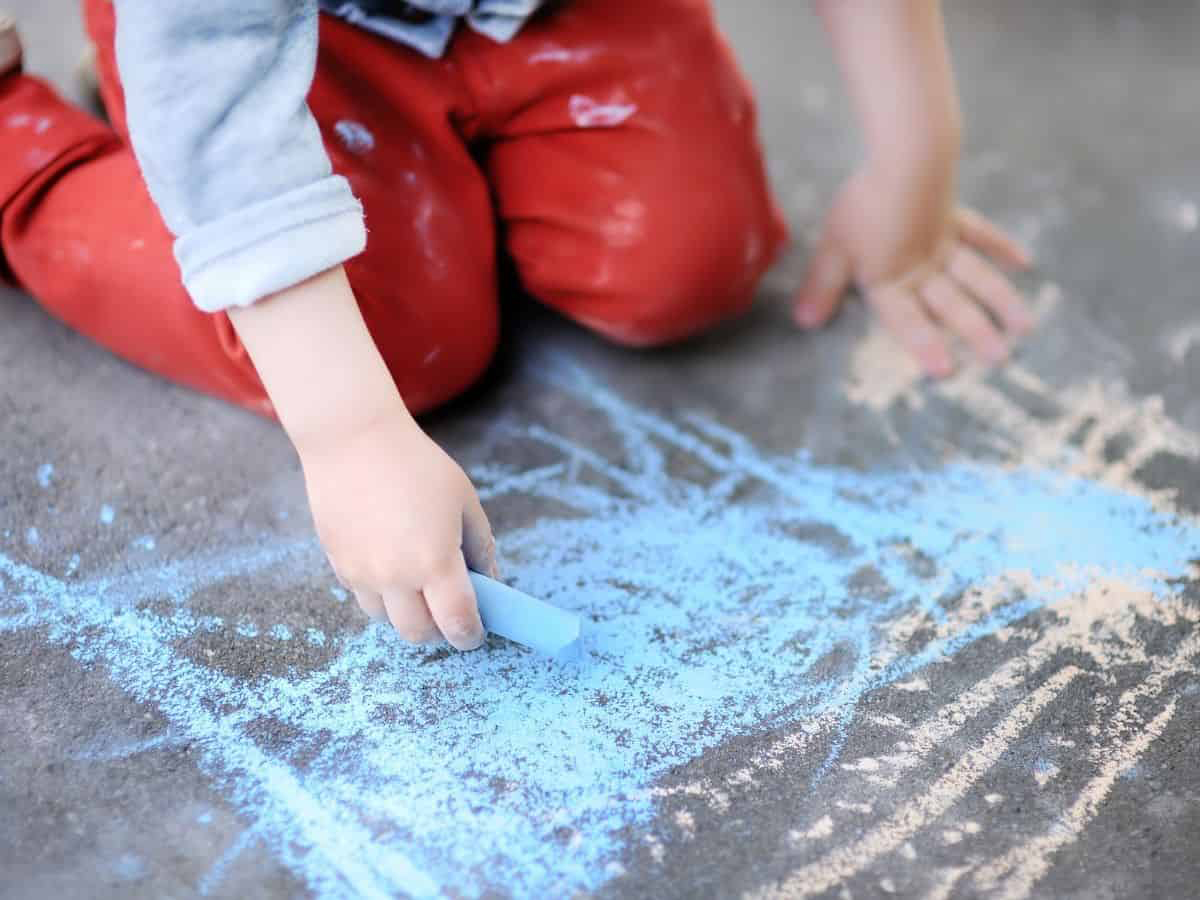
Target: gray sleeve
pixel 216 102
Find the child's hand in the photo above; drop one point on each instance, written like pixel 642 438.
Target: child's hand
pixel 917 263
pixel 398 518
pixel 400 522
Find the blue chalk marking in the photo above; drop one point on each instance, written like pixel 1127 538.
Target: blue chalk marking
pixel 524 619
pixel 129 867
pixel 217 870
pixel 107 515
pixel 281 632
pixel 45 475
pixel 124 751
pixel 708 620
pixel 32 536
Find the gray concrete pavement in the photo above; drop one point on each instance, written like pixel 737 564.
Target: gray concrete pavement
pixel 850 634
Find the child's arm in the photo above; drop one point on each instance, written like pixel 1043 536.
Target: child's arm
pixel 215 94
pixel 894 228
pixel 391 508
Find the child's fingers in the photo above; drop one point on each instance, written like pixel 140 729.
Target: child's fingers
pixel 478 544
pixel 979 232
pixel 371 603
pixel 978 276
pixel 911 325
pixel 451 600
pixel 409 615
pixel 825 285
pixel 962 316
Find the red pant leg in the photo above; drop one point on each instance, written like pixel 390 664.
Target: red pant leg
pixel 80 233
pixel 82 236
pixel 427 283
pixel 628 170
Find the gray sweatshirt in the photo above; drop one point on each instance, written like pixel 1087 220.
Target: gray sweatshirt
pixel 215 94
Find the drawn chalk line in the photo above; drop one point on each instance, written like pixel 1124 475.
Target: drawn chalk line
pixel 216 872
pixel 1024 865
pixel 1078 614
pixel 881 375
pixel 150 671
pixel 947 879
pixel 130 748
pixel 1105 600
pixel 849 859
pixel 1179 343
pixel 1108 412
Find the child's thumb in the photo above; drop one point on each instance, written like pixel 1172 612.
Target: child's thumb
pixel 825 284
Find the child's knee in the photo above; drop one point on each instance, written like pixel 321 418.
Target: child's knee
pixel 436 346
pixel 672 282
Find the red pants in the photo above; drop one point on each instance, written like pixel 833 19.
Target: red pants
pixel 610 149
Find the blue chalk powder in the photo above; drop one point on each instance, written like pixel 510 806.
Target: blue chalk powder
pixel 420 773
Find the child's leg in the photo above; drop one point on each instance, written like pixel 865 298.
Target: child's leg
pixel 628 169
pixel 80 233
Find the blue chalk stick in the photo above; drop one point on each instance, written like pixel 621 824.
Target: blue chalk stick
pixel 524 619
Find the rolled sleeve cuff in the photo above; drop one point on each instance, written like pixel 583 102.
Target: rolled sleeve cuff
pixel 268 246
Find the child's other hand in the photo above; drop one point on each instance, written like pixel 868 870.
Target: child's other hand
pixel 922 264
pixel 401 522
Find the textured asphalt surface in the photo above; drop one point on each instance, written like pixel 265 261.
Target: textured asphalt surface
pixel 988 682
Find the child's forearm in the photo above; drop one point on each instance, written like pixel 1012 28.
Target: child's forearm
pixel 397 517
pixel 897 68
pixel 317 360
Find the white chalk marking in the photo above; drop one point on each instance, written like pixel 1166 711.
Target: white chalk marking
pixel 1043 772
pixel 1024 865
pixel 846 861
pixel 355 136
pixel 947 879
pixel 823 828
pixel 1179 342
pixel 588 113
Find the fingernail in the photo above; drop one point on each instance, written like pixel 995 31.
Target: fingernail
pixel 803 316
pixel 474 643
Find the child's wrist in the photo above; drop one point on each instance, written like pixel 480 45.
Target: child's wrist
pixel 317 360
pixel 919 178
pixel 316 429
pixel 925 157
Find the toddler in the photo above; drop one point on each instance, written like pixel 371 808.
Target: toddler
pixel 301 210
